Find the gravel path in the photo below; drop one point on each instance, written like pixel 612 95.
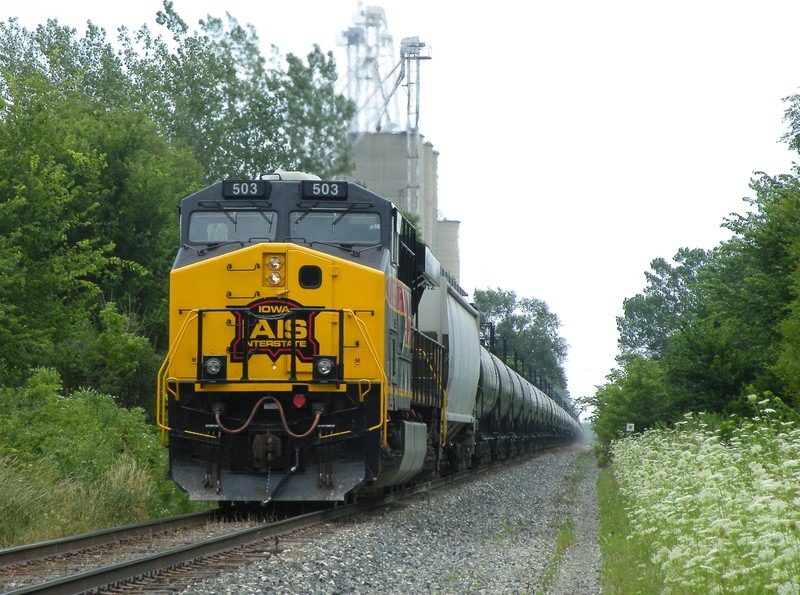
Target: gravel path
pixel 496 534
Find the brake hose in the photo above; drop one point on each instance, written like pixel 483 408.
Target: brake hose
pixel 313 427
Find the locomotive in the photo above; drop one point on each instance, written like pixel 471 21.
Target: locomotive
pixel 318 352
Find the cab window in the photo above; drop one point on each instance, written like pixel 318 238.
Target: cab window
pixel 335 226
pixel 232 226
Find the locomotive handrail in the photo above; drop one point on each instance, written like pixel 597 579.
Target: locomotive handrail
pixel 384 418
pixel 161 379
pixel 292 314
pixel 442 389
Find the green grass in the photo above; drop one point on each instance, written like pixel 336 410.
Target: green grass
pixel 37 504
pixel 71 463
pixel 626 557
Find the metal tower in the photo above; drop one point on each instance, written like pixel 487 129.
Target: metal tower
pixel 373 79
pixel 370 69
pixel 412 51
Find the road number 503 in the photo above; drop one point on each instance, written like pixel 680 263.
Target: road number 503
pixel 245 188
pixel 240 188
pixel 325 189
pixel 314 189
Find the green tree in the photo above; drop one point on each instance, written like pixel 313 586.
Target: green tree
pixel 316 117
pixel 639 393
pixel 240 114
pixel 740 325
pixel 47 198
pixel 525 331
pixel 76 90
pixel 666 306
pixel 710 367
pixel 112 356
pixel 88 215
pixel 722 324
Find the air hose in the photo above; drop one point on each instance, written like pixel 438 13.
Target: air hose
pixel 244 426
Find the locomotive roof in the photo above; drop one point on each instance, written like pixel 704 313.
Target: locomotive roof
pixel 277 193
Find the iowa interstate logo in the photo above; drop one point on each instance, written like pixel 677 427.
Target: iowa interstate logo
pixel 270 327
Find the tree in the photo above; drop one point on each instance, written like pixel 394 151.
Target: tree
pixel 723 325
pixel 666 306
pixel 526 331
pixel 316 127
pixel 112 356
pixel 240 114
pixel 47 197
pixel 638 393
pixel 711 367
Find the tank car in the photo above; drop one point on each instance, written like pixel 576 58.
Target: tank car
pixel 318 351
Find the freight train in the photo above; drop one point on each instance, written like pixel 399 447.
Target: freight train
pixel 318 352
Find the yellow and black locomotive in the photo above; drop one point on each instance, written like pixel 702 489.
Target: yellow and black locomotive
pixel 317 351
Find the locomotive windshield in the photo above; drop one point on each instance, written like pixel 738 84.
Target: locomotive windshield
pixel 335 226
pixel 232 226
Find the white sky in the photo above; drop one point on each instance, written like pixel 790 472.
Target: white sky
pixel 578 140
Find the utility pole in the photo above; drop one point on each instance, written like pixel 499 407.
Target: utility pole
pixel 412 52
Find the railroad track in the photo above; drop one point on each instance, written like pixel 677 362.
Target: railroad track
pixel 23 567
pixel 163 550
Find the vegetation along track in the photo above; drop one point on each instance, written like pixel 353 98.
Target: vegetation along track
pixel 158 556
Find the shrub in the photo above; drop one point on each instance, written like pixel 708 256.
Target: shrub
pixel 721 511
pixel 74 463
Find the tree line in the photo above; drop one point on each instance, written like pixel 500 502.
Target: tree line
pixel 715 330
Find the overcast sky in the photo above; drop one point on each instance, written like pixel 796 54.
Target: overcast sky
pixel 578 140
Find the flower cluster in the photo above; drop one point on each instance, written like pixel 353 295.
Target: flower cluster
pixel 722 515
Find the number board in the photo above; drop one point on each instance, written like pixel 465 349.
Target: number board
pixel 245 189
pixel 324 190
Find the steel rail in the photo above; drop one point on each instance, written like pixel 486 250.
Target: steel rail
pixel 92 580
pixel 67 545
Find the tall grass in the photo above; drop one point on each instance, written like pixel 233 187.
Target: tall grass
pixel 717 512
pixel 37 504
pixel 76 462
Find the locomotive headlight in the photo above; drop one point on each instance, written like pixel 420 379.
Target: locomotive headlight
pixel 274 269
pixel 324 367
pixel 213 366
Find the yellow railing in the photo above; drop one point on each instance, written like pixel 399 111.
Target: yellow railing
pixel 162 381
pixel 384 418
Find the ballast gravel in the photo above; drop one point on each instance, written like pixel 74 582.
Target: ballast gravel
pixel 495 533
